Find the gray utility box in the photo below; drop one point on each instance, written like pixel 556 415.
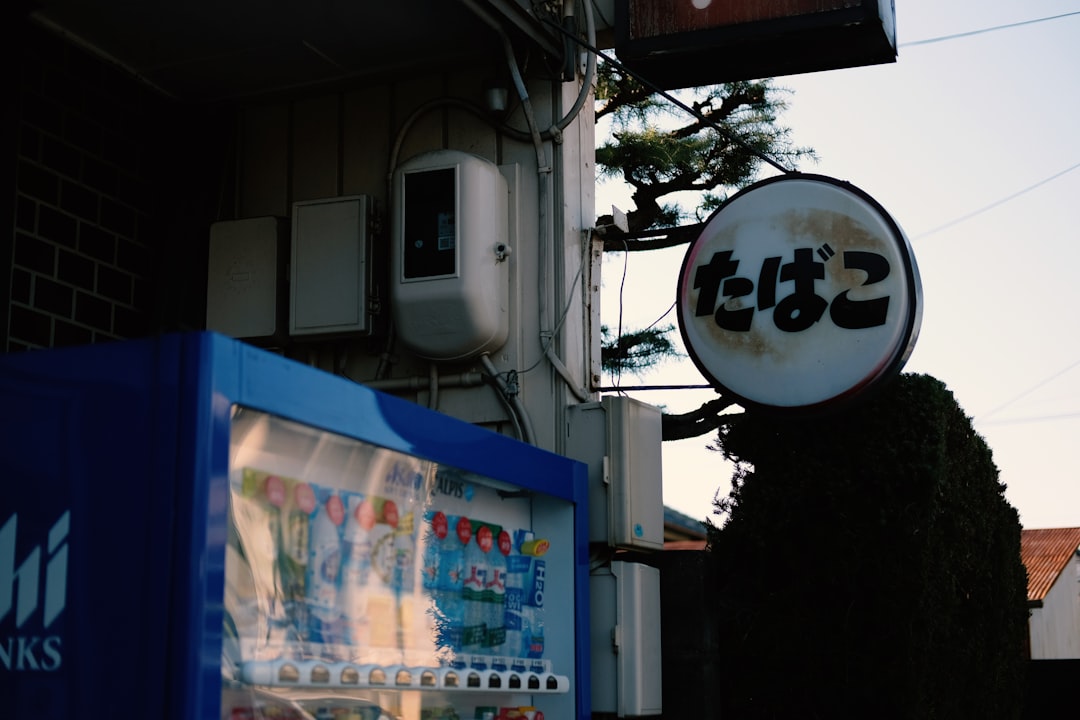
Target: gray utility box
pixel 245 282
pixel 625 633
pixel 619 439
pixel 331 267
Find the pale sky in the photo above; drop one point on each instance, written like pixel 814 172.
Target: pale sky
pixel 972 144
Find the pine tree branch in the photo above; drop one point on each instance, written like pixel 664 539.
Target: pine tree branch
pixel 750 96
pixel 695 423
pixel 622 99
pixel 655 239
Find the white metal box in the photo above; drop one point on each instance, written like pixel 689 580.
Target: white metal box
pixel 620 438
pixel 450 259
pixel 330 266
pixel 244 298
pixel 625 633
pixel 634 437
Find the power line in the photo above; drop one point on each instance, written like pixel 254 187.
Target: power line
pixel 667 312
pixel 1035 419
pixel 635 388
pixel 969 33
pixel 1030 390
pixel 654 88
pixel 996 203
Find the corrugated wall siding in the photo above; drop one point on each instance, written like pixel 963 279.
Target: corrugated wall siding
pixel 336 144
pixel 1055 626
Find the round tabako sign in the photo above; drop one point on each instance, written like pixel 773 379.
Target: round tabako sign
pixel 800 292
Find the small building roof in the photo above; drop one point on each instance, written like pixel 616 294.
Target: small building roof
pixel 685 544
pixel 678 526
pixel 1045 553
pixel 682 532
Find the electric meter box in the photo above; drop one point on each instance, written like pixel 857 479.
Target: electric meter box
pixel 450 259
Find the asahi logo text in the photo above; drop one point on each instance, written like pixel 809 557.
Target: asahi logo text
pixel 21 587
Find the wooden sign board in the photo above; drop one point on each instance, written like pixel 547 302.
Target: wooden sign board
pixel 688 43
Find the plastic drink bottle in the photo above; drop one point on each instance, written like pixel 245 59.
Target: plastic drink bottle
pixel 451 581
pixel 274 493
pixel 473 588
pixel 357 549
pixel 404 556
pixel 533 609
pixel 517 566
pixel 293 559
pixel 495 596
pixel 382 606
pixel 442 577
pixel 436 532
pixel 406 481
pixel 324 568
pixel 433 539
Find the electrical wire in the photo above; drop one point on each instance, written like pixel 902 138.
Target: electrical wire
pixel 957 36
pixel 1035 419
pixel 1027 392
pixel 519 414
pixel 553 133
pixel 997 203
pixel 667 312
pixel 618 376
pixel 544 172
pixel 656 89
pixel 511 412
pixel 622 286
pixel 566 306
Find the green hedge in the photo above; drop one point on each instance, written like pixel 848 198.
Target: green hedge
pixel 868 566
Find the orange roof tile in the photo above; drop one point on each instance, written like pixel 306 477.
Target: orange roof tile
pixel 1045 553
pixel 685 544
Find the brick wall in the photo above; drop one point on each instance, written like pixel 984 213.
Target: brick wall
pixel 81 258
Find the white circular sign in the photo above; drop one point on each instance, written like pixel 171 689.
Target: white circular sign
pixel 801 291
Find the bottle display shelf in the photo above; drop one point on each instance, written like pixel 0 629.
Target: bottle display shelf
pixel 320 674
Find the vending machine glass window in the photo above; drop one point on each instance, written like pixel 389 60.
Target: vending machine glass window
pixel 362 581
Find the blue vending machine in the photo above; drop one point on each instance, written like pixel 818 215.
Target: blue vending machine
pixel 195 529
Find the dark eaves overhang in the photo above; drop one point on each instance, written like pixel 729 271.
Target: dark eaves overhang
pixel 205 50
